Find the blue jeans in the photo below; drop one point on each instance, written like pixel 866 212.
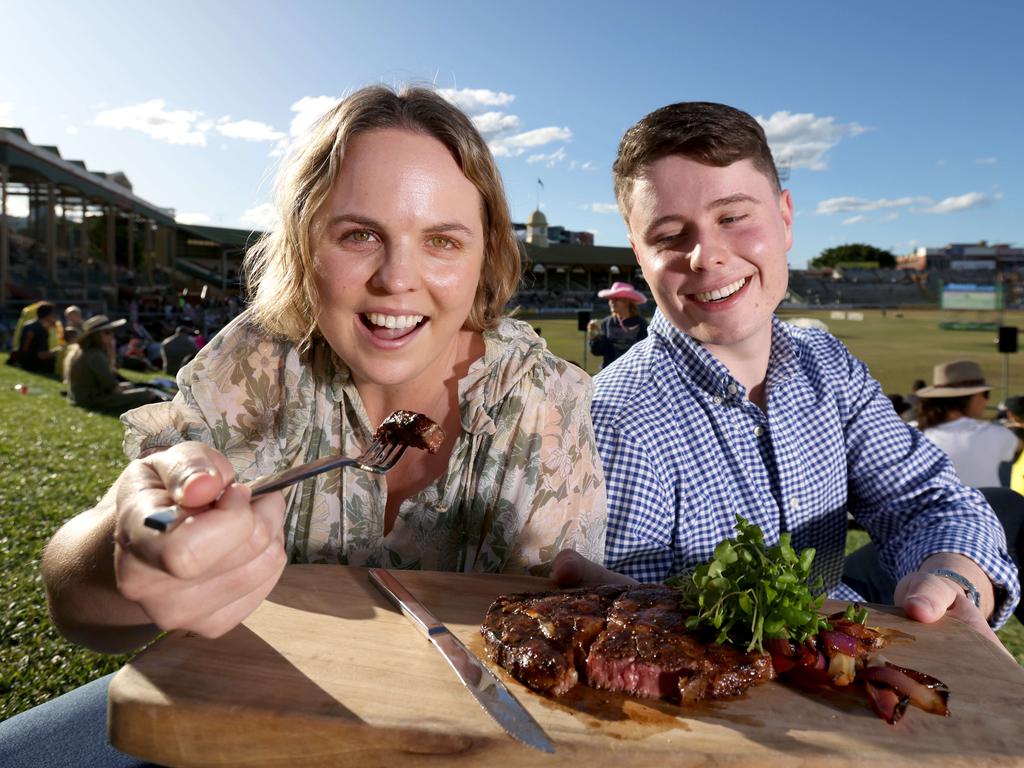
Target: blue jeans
pixel 70 730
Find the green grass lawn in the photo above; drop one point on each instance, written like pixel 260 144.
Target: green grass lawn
pixel 56 460
pixel 896 349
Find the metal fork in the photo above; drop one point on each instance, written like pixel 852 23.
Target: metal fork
pixel 381 456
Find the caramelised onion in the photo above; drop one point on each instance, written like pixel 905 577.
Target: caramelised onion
pixel 842 643
pixel 888 703
pixel 869 637
pixel 924 691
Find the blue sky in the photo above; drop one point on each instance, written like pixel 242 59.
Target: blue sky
pixel 902 121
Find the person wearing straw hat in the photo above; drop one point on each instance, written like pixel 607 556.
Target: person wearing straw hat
pixel 950 415
pixel 612 337
pixel 90 374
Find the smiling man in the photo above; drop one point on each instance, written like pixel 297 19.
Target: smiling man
pixel 725 410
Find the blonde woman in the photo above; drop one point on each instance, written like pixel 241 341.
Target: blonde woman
pixel 383 288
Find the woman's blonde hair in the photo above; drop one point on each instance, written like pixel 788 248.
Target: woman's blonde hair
pixel 280 267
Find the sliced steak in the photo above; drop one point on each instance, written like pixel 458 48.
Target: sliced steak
pixel 543 639
pixel 632 640
pixel 647 651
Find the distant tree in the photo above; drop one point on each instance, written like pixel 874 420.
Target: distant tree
pixel 852 253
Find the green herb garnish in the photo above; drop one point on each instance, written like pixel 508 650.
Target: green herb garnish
pixel 749 593
pixel 856 613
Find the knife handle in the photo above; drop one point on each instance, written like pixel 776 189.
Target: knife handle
pixel 403 599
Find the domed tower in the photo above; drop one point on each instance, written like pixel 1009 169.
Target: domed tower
pixel 537 229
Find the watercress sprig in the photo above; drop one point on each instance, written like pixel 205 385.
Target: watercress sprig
pixel 748 593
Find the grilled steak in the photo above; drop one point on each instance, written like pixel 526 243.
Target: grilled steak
pixel 543 639
pixel 628 639
pixel 412 429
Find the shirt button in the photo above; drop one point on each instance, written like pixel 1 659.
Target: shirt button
pixel 758 431
pixel 732 389
pixel 717 400
pixel 794 504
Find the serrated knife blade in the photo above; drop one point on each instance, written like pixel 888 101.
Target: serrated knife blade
pixel 488 690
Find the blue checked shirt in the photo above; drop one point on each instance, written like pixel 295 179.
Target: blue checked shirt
pixel 684 451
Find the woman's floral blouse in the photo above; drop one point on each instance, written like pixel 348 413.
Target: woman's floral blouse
pixel 524 480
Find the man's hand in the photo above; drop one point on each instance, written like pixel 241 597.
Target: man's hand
pixel 572 569
pixel 926 597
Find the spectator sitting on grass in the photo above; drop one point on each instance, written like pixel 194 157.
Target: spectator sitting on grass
pixel 177 349
pixel 90 377
pixel 133 355
pixel 72 324
pixel 34 352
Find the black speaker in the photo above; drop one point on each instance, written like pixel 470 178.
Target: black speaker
pixel 1008 338
pixel 583 320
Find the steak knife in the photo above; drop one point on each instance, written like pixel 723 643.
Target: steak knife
pixel 488 690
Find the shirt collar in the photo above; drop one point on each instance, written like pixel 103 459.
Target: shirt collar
pixel 708 373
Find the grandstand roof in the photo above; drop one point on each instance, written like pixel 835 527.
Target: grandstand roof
pixel 559 254
pixel 225 236
pixel 17 152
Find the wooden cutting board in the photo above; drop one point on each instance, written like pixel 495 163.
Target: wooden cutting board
pixel 326 673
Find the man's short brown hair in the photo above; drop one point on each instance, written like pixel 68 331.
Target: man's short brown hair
pixel 713 134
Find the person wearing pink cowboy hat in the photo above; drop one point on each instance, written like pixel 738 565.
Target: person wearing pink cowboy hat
pixel 612 337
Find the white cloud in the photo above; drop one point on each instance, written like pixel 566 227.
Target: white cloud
pixel 891 216
pixel 860 205
pixel 986 161
pixel 71 130
pixel 498 127
pixel 263 217
pixel 601 207
pixel 517 143
pixel 474 99
pixel 492 123
pixel 178 126
pixel 587 166
pixel 855 219
pixel 6 113
pixel 248 130
pixel 801 140
pixel 307 111
pixel 192 218
pixel 550 160
pixel 960 203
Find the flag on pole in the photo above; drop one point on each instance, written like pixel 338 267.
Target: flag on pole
pixel 541 183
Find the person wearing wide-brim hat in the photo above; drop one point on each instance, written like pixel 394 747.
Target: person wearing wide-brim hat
pixel 950 415
pixel 612 337
pixel 90 372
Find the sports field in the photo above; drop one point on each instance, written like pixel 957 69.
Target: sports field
pixel 898 347
pixel 56 460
